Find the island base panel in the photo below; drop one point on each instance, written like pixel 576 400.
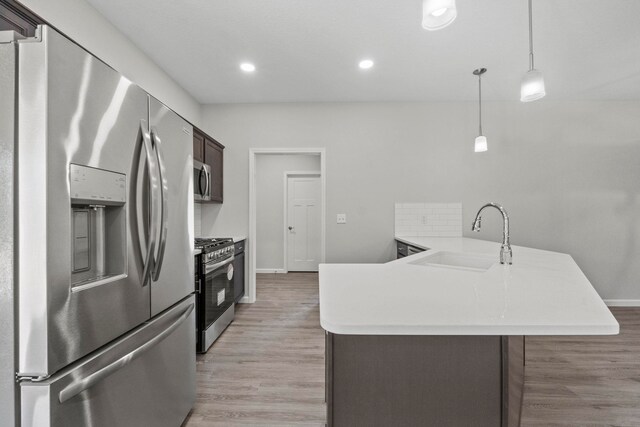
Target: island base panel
pixel 401 380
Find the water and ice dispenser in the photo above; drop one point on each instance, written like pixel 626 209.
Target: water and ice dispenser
pixel 98 225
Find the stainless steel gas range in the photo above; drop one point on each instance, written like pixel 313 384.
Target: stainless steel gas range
pixel 214 289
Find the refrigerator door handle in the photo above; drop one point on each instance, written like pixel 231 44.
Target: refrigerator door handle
pixel 164 195
pixel 89 381
pixel 153 182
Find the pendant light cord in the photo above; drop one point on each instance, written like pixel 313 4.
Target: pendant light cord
pixel 480 104
pixel 530 36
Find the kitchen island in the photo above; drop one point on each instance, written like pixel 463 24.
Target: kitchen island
pixel 437 338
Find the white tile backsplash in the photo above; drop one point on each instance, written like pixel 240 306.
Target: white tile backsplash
pixel 197 220
pixel 428 219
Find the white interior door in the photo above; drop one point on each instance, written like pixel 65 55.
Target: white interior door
pixel 303 223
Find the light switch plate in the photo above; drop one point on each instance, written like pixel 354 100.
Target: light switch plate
pixel 341 218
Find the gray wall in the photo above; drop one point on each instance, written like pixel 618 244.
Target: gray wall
pixel 567 172
pixel 270 170
pixel 83 23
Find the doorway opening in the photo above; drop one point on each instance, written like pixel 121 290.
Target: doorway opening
pixel 287 188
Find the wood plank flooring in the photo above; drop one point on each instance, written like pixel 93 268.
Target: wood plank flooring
pixel 268 367
pixel 585 381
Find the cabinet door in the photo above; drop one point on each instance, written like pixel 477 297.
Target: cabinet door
pixel 198 146
pixel 213 157
pixel 15 18
pixel 238 277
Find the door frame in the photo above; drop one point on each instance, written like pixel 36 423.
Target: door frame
pixel 250 296
pixel 288 174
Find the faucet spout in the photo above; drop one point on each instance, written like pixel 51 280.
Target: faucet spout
pixel 506 255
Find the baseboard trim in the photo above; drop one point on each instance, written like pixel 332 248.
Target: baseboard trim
pixel 270 270
pixel 622 302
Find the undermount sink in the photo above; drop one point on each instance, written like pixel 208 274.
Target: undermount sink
pixel 472 262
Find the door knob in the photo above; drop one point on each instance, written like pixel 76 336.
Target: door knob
pixel 290 228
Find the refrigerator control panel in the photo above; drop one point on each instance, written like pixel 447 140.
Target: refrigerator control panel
pixel 96 186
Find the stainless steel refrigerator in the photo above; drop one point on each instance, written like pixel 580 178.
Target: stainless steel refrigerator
pixel 97 304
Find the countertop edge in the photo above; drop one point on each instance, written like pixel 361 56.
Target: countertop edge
pixel 475 330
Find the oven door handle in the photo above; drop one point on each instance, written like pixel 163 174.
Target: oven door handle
pixel 208 268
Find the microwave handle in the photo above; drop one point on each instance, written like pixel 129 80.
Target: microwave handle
pixel 202 170
pixel 207 181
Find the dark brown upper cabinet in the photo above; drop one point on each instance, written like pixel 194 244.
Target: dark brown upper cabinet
pixel 209 151
pixel 15 17
pixel 198 146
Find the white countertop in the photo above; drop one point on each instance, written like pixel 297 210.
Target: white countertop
pixel 542 293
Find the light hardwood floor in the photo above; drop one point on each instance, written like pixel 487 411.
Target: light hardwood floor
pixel 585 381
pixel 268 367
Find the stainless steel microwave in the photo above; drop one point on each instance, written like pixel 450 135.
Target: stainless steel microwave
pixel 201 181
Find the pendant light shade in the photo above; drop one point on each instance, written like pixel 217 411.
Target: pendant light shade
pixel 532 86
pixel 481 140
pixel 437 14
pixel 481 144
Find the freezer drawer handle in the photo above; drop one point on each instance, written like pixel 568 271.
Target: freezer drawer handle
pixel 83 384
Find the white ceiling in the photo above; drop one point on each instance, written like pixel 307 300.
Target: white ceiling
pixel 308 50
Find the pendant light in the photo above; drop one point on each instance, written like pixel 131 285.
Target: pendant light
pixel 481 140
pixel 532 87
pixel 437 14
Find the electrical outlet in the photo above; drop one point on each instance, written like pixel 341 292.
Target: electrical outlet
pixel 341 218
pixel 423 219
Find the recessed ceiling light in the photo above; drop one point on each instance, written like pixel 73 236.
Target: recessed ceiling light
pixel 365 64
pixel 247 67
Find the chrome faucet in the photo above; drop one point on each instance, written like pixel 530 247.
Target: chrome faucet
pixel 505 251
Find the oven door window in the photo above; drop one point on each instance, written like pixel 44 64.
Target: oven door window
pixel 218 292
